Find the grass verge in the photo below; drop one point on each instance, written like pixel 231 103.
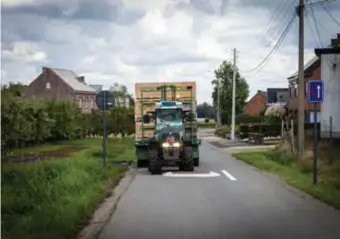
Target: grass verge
pixel 288 168
pixel 55 198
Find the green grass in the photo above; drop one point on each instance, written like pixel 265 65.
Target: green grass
pixel 54 198
pixel 285 167
pixel 206 125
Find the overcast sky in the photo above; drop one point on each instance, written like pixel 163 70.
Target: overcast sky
pixel 128 41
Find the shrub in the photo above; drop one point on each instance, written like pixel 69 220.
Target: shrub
pixel 248 119
pixel 206 120
pixel 222 131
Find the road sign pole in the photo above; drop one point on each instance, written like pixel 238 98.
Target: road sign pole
pixel 104 100
pixel 104 132
pixel 315 159
pixel 315 94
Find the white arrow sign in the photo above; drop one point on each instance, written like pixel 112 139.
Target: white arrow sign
pixel 318 90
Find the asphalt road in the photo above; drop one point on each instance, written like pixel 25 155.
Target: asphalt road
pixel 240 203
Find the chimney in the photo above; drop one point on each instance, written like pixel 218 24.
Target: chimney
pixel 81 79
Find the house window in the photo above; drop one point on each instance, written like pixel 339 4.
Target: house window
pixel 85 103
pixel 80 103
pixel 48 85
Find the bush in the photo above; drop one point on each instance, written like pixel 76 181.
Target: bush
pixel 222 131
pixel 248 119
pixel 206 120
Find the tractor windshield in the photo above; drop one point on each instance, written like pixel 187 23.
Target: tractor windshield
pixel 168 117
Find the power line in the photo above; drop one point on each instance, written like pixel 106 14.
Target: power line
pixel 319 3
pixel 312 31
pixel 330 15
pixel 316 24
pixel 275 16
pixel 277 44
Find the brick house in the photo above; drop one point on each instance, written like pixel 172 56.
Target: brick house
pixel 62 84
pixel 312 71
pixel 256 104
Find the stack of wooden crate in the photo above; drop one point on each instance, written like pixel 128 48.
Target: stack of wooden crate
pixel 151 98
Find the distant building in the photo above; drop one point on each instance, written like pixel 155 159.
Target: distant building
pixel 256 104
pixel 277 96
pixel 62 84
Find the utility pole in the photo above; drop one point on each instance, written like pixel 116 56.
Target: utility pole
pixel 218 123
pixel 233 98
pixel 301 81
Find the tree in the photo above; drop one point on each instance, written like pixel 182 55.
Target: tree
pixel 225 74
pixel 121 91
pixel 205 110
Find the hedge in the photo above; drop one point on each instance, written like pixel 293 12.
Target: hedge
pixel 30 122
pixel 269 129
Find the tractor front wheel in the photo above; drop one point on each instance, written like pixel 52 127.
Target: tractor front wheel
pixel 188 161
pixel 155 166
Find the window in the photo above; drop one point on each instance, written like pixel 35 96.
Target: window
pixel 48 85
pixel 85 103
pixel 80 103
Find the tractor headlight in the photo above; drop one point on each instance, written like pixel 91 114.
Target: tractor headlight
pixel 177 145
pixel 165 145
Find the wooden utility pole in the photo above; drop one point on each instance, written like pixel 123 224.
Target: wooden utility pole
pixel 301 81
pixel 233 98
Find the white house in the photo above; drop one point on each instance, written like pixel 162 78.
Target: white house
pixel 330 74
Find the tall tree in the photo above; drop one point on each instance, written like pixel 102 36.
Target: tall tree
pixel 225 74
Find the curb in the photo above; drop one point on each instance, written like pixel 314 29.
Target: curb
pixel 103 214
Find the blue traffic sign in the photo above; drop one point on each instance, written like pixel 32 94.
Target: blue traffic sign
pixel 315 91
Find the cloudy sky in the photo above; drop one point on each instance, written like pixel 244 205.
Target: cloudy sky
pixel 128 41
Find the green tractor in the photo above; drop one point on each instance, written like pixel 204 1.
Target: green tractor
pixel 174 141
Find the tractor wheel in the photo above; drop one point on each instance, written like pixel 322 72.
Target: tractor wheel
pixel 142 163
pixel 196 162
pixel 155 166
pixel 188 162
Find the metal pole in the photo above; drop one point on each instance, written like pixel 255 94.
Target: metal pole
pixel 301 85
pixel 104 130
pixel 233 99
pixel 315 159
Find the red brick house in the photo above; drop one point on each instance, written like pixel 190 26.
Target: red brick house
pixel 312 71
pixel 62 84
pixel 256 104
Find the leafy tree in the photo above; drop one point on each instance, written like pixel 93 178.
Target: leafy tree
pixel 205 110
pixel 225 74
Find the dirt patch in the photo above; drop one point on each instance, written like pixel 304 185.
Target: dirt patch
pixel 63 152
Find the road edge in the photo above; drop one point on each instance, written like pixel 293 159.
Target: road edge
pixel 103 214
pixel 278 179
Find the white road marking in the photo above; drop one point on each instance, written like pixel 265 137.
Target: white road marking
pixel 231 177
pixel 191 175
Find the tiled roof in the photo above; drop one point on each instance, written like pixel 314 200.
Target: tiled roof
pixel 70 78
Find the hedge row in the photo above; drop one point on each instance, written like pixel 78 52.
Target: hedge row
pixel 243 119
pixel 27 122
pixel 269 129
